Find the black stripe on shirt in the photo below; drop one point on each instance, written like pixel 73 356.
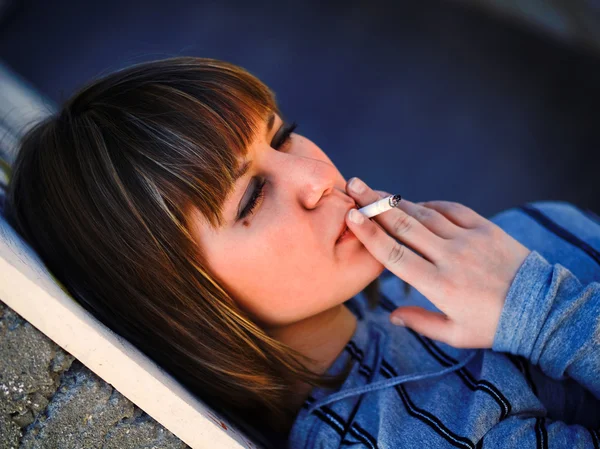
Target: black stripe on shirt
pixel 332 420
pixel 337 423
pixel 464 374
pixel 365 437
pixel 365 371
pixel 541 435
pixel 561 232
pixel 356 349
pixel 431 420
pixel 469 380
pixel 357 355
pixel 329 421
pixel 523 366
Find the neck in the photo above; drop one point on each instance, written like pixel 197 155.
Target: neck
pixel 321 337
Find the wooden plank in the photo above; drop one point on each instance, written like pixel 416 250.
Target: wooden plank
pixel 30 290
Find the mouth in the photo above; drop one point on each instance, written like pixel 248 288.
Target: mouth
pixel 345 232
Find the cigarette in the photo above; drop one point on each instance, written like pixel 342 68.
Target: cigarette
pixel 381 206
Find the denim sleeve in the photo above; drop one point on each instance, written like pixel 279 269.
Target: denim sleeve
pixel 553 320
pixel 536 431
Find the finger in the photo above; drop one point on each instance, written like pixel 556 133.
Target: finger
pixel 382 194
pixel 431 219
pixel 397 258
pixel 362 193
pixel 398 223
pixel 434 325
pixel 459 214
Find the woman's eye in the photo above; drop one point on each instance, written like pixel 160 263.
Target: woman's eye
pixel 257 195
pixel 282 137
pixel 280 141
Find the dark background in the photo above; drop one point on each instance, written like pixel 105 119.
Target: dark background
pixel 430 99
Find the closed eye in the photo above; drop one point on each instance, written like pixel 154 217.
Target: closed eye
pixel 280 142
pixel 282 138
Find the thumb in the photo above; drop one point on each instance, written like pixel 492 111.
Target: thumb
pixel 434 325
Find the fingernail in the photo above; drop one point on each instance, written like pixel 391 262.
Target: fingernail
pixel 397 321
pixel 357 186
pixel 356 216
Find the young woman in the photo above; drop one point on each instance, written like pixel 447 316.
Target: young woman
pixel 176 204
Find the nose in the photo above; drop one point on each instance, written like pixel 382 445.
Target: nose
pixel 316 180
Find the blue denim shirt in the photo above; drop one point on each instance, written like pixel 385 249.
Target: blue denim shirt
pixel 537 387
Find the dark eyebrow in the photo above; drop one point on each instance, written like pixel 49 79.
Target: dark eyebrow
pixel 241 171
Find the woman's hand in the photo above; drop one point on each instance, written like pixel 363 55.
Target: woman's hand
pixel 465 264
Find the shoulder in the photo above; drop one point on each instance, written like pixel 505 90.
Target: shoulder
pixel 551 215
pixel 559 231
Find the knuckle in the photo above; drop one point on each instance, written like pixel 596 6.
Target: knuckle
pixel 396 254
pixel 489 230
pixel 448 208
pixel 452 207
pixel 424 214
pixel 440 203
pixel 402 224
pixel 457 207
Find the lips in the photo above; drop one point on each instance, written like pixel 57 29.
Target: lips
pixel 342 232
pixel 344 227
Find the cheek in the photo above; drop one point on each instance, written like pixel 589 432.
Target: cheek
pixel 268 278
pixel 256 263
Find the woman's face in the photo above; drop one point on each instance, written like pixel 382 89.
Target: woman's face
pixel 282 262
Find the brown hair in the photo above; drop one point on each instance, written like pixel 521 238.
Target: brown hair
pixel 101 192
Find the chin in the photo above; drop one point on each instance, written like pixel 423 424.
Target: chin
pixel 371 290
pixel 368 276
pixel 373 268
